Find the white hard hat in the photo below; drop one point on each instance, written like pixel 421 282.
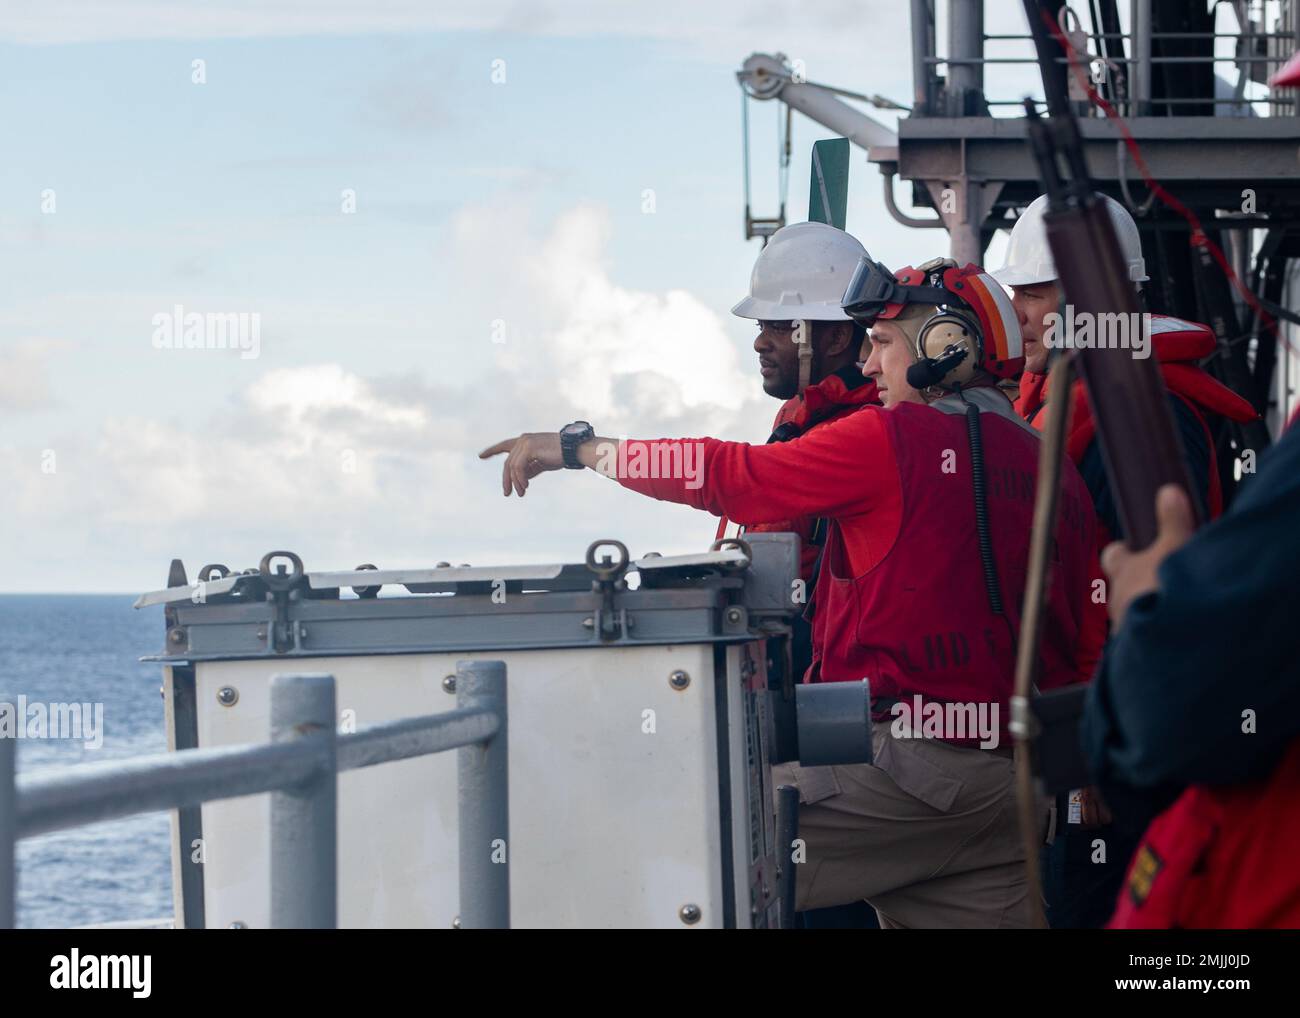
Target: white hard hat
pixel 1029 259
pixel 802 273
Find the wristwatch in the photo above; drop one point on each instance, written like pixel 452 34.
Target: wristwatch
pixel 572 436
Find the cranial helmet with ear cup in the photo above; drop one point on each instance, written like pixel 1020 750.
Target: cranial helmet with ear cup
pixel 973 312
pixel 945 331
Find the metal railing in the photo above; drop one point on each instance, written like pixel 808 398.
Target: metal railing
pixel 1130 57
pixel 299 767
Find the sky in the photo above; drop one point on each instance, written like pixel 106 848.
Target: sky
pixel 454 225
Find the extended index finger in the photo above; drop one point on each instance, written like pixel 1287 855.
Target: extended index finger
pixel 500 447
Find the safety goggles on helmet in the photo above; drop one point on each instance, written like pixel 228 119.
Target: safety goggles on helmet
pixel 874 293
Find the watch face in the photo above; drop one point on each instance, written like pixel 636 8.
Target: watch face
pixel 576 428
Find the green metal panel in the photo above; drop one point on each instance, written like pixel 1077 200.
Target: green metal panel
pixel 828 191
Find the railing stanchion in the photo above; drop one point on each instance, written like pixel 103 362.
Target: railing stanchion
pixel 483 783
pixel 299 768
pixel 304 818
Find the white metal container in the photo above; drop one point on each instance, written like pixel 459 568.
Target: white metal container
pixel 638 765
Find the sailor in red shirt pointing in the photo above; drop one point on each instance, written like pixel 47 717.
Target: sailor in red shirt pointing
pixel 929 498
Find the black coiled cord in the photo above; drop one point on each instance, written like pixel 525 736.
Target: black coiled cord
pixel 991 583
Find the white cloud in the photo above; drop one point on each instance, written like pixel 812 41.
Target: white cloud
pixel 344 466
pixel 627 357
pixel 306 397
pixel 24 374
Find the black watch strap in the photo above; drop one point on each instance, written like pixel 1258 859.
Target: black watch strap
pixel 572 436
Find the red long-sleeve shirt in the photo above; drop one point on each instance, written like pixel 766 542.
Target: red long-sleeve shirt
pixel 845 470
pixel 841 393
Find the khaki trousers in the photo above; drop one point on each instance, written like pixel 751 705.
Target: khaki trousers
pixel 927 834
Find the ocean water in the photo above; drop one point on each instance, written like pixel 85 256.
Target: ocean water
pixel 85 648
